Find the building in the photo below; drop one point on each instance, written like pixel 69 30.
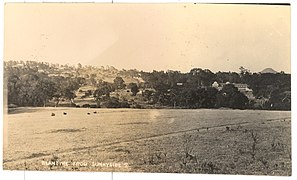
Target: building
pixel 243 88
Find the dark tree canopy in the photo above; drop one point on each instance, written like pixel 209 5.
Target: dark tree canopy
pixel 134 88
pixel 230 97
pixel 33 83
pixel 119 83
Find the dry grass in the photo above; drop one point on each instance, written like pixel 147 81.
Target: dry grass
pixel 255 142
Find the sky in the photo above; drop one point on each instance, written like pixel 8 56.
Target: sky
pixel 150 36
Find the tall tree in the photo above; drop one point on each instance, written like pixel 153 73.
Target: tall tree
pixel 134 88
pixel 119 83
pixel 103 91
pixel 230 97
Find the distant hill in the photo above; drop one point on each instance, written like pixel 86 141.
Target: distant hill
pixel 268 70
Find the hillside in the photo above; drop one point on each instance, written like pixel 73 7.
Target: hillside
pixel 35 84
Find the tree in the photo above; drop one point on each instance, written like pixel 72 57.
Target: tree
pixel 13 87
pixel 230 97
pixel 119 83
pixel 65 88
pixel 279 100
pixel 33 83
pixel 103 91
pixel 93 79
pixel 231 77
pixel 147 94
pixel 200 78
pixel 134 88
pixel 244 71
pixel 210 99
pixel 26 91
pixel 245 75
pixel 44 91
pixel 239 101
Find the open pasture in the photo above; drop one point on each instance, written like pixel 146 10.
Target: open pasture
pixel 148 140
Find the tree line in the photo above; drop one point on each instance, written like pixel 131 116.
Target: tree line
pixel 27 85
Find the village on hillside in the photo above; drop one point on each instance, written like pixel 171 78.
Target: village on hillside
pixel 35 84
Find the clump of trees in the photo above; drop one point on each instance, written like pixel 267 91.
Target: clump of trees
pixel 34 84
pixel 193 89
pixel 230 97
pixel 134 88
pixel 26 86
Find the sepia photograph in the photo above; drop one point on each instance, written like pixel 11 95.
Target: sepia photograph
pixel 155 88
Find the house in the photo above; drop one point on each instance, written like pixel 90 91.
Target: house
pixel 243 88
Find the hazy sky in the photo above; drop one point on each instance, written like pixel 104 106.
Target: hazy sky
pixel 150 36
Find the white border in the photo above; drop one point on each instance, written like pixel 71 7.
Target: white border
pixel 31 175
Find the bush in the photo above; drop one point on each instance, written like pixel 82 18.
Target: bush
pixel 86 105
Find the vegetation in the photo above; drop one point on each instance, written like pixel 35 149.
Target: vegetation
pixel 229 96
pixel 33 83
pixel 149 140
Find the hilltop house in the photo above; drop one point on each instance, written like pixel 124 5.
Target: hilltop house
pixel 243 88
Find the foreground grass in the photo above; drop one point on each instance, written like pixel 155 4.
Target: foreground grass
pixel 262 148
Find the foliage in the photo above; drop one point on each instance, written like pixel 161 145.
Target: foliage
pixel 33 83
pixel 230 97
pixel 27 86
pixel 119 83
pixel 134 88
pixel 103 90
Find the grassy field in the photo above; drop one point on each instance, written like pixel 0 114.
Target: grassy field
pixel 142 140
